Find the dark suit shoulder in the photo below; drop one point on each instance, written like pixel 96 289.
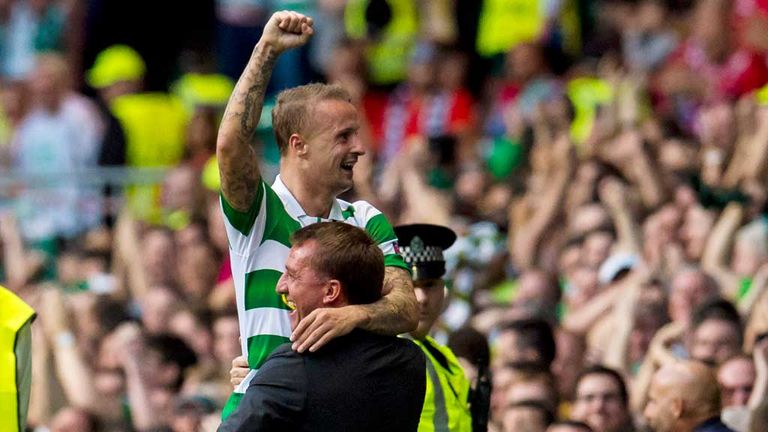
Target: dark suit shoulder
pixel 283 364
pixel 357 381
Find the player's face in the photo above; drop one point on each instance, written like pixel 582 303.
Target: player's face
pixel 333 144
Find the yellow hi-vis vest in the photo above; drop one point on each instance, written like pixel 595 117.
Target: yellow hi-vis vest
pixel 15 361
pixel 446 406
pixel 387 57
pixel 506 23
pixel 155 128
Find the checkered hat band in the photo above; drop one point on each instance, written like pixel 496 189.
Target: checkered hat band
pixel 422 255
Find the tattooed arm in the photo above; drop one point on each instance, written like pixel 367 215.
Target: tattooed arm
pixel 236 156
pixel 397 312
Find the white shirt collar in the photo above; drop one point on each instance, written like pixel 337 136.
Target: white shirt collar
pixel 294 209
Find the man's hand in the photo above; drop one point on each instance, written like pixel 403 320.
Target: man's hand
pixel 286 30
pixel 659 348
pixel 129 344
pixel 324 324
pixel 613 193
pixel 239 371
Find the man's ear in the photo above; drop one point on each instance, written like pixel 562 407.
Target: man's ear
pixel 332 292
pixel 297 144
pixel 678 407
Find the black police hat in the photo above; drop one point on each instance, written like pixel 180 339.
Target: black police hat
pixel 422 245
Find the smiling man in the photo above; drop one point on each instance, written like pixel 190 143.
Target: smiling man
pixel 316 128
pixel 361 381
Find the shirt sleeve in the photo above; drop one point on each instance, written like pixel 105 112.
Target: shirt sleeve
pixel 245 228
pixel 276 397
pixel 378 227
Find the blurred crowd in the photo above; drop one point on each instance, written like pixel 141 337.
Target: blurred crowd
pixel 603 162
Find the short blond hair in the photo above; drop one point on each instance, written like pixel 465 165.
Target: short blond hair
pixel 293 108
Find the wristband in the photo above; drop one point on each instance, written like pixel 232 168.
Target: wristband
pixel 65 339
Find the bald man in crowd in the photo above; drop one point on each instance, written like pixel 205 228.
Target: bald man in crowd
pixel 684 397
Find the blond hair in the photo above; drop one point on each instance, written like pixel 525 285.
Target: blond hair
pixel 293 109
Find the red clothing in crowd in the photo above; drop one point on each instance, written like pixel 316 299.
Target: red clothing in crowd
pixel 742 72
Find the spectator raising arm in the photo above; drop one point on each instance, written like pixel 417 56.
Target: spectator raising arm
pixel 524 240
pixel 14 259
pixel 127 254
pixel 75 375
pixel 623 320
pixel 716 251
pixel 130 347
pixel 614 195
pixel 749 158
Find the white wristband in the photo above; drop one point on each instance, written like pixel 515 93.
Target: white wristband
pixel 65 339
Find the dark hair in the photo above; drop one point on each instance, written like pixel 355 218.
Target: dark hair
pixel 173 350
pixel 537 334
pixel 606 371
pixel 109 313
pixel 574 424
pixel 471 344
pixel 348 254
pixel 548 415
pixel 716 309
pixel 551 280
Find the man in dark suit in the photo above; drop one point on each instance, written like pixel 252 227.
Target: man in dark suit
pixel 358 382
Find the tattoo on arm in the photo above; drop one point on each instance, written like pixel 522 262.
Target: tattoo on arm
pixel 397 311
pixel 237 157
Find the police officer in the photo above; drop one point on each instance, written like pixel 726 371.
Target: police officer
pixel 446 404
pixel 15 360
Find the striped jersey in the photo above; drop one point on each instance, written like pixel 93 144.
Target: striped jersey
pixel 259 242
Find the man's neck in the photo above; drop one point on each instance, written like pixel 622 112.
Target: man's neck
pixel 315 202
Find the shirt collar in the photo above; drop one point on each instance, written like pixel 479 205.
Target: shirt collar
pixel 294 208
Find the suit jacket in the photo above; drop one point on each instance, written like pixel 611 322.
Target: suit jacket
pixel 358 382
pixel 713 425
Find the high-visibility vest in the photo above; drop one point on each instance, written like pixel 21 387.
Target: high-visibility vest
pixel 388 56
pixel 506 23
pixel 15 361
pixel 446 406
pixel 155 128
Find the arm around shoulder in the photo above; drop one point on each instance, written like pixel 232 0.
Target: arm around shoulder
pixel 397 312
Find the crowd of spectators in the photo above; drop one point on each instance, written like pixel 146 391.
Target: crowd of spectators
pixel 603 162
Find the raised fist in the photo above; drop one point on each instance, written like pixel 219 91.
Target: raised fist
pixel 286 30
pixel 612 193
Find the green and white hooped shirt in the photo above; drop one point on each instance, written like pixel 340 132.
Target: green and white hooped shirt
pixel 259 242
